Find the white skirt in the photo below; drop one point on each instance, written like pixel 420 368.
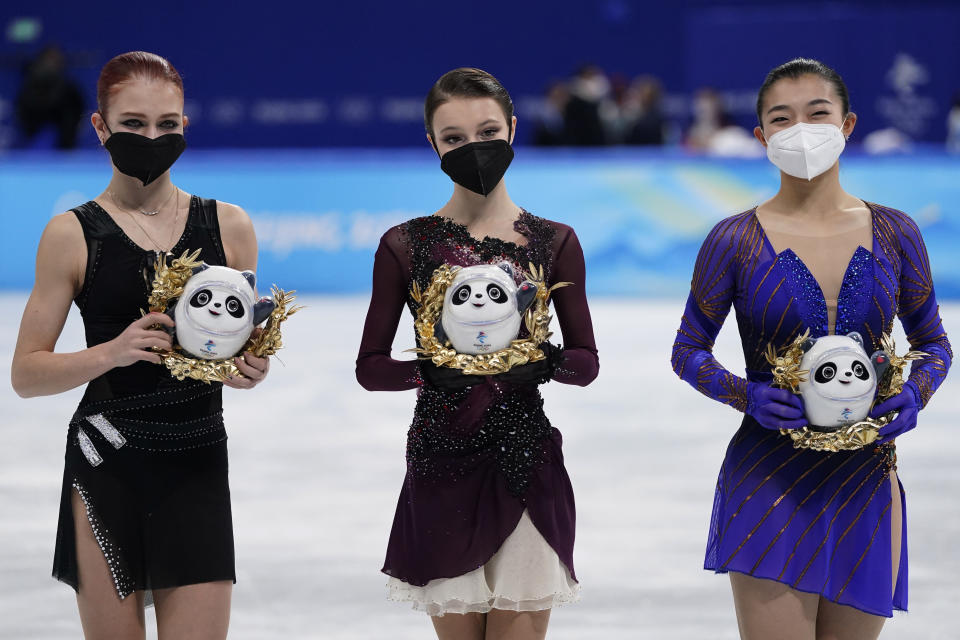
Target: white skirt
pixel 525 574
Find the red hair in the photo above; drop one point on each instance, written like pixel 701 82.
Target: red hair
pixel 134 64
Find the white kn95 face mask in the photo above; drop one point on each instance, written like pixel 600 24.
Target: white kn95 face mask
pixel 806 150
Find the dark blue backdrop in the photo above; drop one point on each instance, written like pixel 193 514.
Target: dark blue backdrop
pixel 285 74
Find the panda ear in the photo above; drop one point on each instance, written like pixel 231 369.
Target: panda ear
pixel 263 309
pixel 439 333
pixel 506 266
pixel 807 344
pixel 171 305
pixel 881 362
pixel 856 337
pixel 526 294
pixel 202 267
pixel 251 278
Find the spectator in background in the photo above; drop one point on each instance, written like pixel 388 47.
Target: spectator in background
pixel 953 125
pixel 707 116
pixel 589 88
pixel 549 130
pixel 887 140
pixel 646 119
pixel 615 110
pixel 591 110
pixel 715 132
pixel 48 97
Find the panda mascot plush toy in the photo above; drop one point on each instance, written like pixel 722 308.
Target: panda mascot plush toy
pixel 483 308
pixel 217 312
pixel 842 380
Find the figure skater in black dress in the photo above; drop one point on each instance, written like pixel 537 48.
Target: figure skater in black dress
pixel 145 506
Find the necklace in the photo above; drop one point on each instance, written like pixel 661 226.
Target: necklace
pixel 156 244
pixel 146 213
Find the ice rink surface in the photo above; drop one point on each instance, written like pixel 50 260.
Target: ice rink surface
pixel 317 463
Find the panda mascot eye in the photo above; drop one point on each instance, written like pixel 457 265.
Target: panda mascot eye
pixel 234 307
pixel 461 295
pixel 497 294
pixel 200 298
pixel 861 371
pixel 826 372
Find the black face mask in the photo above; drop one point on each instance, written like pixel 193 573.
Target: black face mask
pixel 478 166
pixel 143 158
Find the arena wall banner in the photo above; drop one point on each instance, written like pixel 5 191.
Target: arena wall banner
pixel 640 216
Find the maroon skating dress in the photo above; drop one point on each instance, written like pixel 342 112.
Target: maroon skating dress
pixel 477 457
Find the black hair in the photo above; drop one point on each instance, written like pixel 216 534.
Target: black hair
pixel 801 67
pixel 466 82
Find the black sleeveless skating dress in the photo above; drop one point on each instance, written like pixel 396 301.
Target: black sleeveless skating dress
pixel 146 453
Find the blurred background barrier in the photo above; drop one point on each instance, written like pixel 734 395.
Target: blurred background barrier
pixel 640 215
pixel 300 112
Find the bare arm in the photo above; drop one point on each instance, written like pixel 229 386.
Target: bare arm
pixel 36 369
pixel 240 246
pixel 238 237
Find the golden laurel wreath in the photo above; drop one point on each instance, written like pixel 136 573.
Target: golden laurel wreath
pixel 168 283
pixel 787 374
pixel 521 351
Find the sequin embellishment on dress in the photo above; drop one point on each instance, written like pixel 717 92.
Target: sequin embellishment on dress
pixel 118 572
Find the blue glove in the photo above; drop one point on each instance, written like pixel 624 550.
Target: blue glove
pixel 774 408
pixel 907 404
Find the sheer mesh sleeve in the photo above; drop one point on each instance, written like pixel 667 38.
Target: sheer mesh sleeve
pixel 711 294
pixel 919 312
pixel 580 364
pixel 376 370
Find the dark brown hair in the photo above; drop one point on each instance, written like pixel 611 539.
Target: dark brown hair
pixel 800 67
pixel 134 64
pixel 466 82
